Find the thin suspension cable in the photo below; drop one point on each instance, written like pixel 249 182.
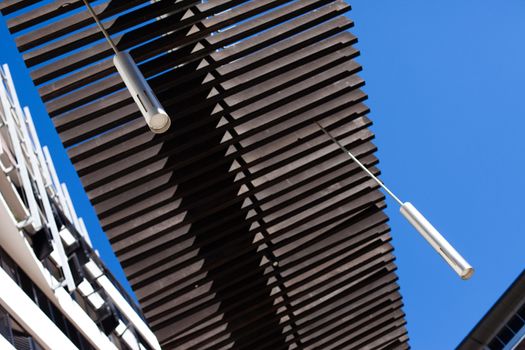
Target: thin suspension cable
pixel 343 148
pixel 100 26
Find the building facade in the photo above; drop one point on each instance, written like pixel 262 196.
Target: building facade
pixel 243 226
pixel 503 327
pixel 55 292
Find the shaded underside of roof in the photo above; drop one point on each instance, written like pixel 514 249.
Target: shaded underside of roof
pixel 244 226
pixel 511 305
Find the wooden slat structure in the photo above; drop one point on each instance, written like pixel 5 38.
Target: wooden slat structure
pixel 244 226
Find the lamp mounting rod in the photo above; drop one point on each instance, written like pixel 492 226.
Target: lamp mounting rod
pixel 343 148
pixel 100 26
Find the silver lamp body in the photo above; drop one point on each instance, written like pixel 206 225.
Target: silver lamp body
pixel 150 107
pixel 436 240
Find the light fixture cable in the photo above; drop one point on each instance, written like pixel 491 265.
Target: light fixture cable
pixel 343 148
pixel 100 26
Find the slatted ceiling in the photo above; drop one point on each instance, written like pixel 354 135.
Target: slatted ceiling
pixel 299 73
pixel 95 122
pixel 304 291
pixel 117 169
pixel 244 226
pixel 174 39
pixel 176 301
pixel 376 307
pixel 66 84
pixel 133 127
pixel 142 266
pixel 81 94
pixel 115 229
pixel 83 19
pixel 139 172
pixel 178 284
pixel 170 302
pixel 253 336
pixel 41 14
pixel 156 291
pixel 273 195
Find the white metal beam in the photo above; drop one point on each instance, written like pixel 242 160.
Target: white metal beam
pixel 33 223
pixel 121 303
pixel 29 315
pixel 57 241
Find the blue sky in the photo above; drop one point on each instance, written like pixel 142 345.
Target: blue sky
pixel 446 82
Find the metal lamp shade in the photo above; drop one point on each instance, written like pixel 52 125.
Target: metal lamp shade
pixel 150 107
pixel 437 241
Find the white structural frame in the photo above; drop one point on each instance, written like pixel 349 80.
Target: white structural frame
pixel 12 107
pixel 122 304
pixel 37 174
pixel 28 314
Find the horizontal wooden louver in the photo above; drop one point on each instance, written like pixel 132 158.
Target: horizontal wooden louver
pixel 244 226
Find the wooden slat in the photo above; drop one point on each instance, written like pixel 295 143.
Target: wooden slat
pixel 42 14
pixel 80 20
pixel 10 6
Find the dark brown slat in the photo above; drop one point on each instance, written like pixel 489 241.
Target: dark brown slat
pixel 43 13
pixel 91 90
pixel 240 182
pixel 151 49
pixel 106 190
pixel 80 20
pixel 103 123
pixel 113 26
pixel 190 94
pixel 137 222
pixel 237 290
pixel 330 287
pixel 280 221
pixel 9 6
pixel 314 220
pixel 151 243
pixel 189 301
pixel 321 100
pixel 112 217
pixel 130 237
pixel 277 235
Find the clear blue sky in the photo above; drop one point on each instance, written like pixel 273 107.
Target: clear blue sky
pixel 446 81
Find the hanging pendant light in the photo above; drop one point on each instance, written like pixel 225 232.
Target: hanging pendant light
pixel 419 222
pixel 149 105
